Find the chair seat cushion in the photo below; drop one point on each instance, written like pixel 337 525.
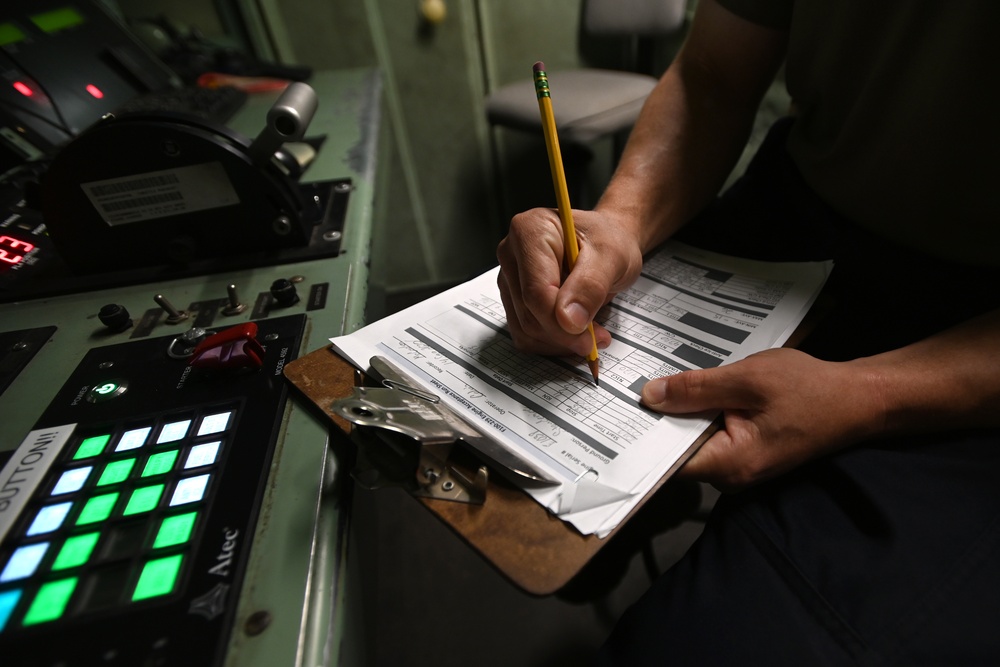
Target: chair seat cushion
pixel 588 103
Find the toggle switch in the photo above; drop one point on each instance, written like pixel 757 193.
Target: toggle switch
pixel 233 305
pixel 174 316
pixel 230 349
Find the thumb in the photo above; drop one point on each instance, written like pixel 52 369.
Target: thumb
pixel 696 391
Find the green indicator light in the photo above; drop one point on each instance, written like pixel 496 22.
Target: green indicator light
pixel 91 447
pixel 143 500
pixel 175 530
pixel 158 577
pixel 161 463
pixel 10 34
pixel 50 603
pixel 97 508
pixel 75 551
pixel 57 19
pixel 116 472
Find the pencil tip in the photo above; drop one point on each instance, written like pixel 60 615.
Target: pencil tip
pixel 594 366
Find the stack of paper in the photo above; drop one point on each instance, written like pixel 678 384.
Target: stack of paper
pixel 689 309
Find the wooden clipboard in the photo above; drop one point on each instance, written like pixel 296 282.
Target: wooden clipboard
pixel 536 550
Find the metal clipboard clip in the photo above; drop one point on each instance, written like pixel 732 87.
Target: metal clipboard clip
pixel 407 437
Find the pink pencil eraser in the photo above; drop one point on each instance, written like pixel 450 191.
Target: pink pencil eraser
pixel 539 67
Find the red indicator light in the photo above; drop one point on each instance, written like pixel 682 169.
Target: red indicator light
pixel 95 91
pixel 10 246
pixel 23 88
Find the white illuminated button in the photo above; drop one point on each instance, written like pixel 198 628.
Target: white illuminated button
pixel 49 518
pixel 215 423
pixel 189 490
pixel 133 439
pixel 71 480
pixel 24 562
pixel 202 455
pixel 173 431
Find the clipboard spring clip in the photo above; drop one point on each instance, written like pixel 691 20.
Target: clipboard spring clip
pixel 407 437
pixel 405 440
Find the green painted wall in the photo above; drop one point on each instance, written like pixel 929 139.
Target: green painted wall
pixel 445 212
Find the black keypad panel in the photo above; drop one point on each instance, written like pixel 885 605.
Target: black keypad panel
pixel 125 500
pixel 131 545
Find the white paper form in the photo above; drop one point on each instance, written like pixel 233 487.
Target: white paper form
pixel 689 309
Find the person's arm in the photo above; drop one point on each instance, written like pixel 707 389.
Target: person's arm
pixel 694 124
pixel 689 135
pixel 782 407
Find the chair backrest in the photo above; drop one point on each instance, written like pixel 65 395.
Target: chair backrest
pixel 633 17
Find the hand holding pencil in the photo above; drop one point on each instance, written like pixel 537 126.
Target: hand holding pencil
pixel 571 247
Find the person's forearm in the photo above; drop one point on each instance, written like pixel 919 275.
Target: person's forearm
pixel 949 380
pixel 694 125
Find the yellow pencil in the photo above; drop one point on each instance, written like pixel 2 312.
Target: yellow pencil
pixel 562 192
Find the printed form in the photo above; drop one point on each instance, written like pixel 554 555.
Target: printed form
pixel 689 309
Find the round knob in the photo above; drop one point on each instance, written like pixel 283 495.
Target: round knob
pixel 433 11
pixel 284 293
pixel 114 317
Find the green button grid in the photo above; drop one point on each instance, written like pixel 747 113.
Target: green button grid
pixel 97 509
pixel 175 530
pixel 50 603
pixel 116 472
pixel 143 499
pixel 75 551
pixel 91 447
pixel 161 463
pixel 158 577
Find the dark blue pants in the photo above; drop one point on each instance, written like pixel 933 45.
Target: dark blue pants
pixel 884 554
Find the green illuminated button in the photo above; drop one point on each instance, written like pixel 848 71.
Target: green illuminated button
pixel 106 391
pixel 116 472
pixel 143 500
pixel 91 447
pixel 50 603
pixel 10 34
pixel 97 509
pixel 75 551
pixel 161 463
pixel 57 19
pixel 158 577
pixel 175 530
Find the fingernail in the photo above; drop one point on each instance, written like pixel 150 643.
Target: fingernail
pixel 655 391
pixel 577 316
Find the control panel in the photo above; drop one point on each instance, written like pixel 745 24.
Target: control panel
pixel 127 512
pixel 163 499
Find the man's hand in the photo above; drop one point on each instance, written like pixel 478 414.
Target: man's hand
pixel 546 314
pixel 780 409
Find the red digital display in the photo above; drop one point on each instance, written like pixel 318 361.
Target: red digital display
pixel 12 250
